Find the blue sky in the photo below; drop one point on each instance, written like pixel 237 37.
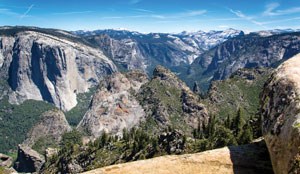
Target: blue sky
pixel 152 15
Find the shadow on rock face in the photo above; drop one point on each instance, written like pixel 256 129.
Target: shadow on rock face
pixel 251 158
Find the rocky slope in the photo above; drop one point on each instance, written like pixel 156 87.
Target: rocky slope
pixel 150 118
pixel 49 65
pixel 114 106
pixel 280 113
pixel 52 126
pixel 241 90
pixel 238 159
pixel 170 102
pixel 133 50
pixel 126 100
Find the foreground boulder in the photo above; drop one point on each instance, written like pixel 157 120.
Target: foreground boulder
pixel 280 108
pixel 252 158
pixel 28 161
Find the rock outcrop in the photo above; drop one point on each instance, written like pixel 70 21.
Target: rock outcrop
pixel 114 106
pixel 5 161
pixel 49 66
pixel 52 126
pixel 251 159
pixel 170 102
pixel 280 109
pixel 50 152
pixel 28 161
pixel 173 142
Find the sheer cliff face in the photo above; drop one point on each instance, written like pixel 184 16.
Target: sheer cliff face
pixel 124 52
pixel 41 66
pixel 280 108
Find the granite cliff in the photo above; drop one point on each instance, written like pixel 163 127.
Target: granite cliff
pixel 49 65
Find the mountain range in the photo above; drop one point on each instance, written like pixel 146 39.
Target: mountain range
pixel 82 59
pixel 127 95
pixel 195 56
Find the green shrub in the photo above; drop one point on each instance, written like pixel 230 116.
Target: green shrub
pixel 71 138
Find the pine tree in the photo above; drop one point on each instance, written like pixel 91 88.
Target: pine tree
pixel 154 143
pixel 199 127
pixel 246 136
pixel 204 130
pixel 223 137
pixel 211 126
pixel 195 133
pixel 104 139
pixel 198 132
pixel 238 122
pixel 227 123
pixel 125 135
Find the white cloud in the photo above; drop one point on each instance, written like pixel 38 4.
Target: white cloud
pixel 8 12
pixel 271 10
pixel 280 21
pixel 72 12
pixel 223 26
pixel 143 10
pixel 181 15
pixel 13 6
pixel 113 17
pixel 162 16
pixel 124 17
pixel 165 21
pixel 27 11
pixel 245 17
pixel 194 13
pixel 158 16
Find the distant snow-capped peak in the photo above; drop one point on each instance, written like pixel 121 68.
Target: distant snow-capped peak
pixel 266 33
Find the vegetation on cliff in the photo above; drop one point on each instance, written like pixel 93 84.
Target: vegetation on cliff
pixel 17 120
